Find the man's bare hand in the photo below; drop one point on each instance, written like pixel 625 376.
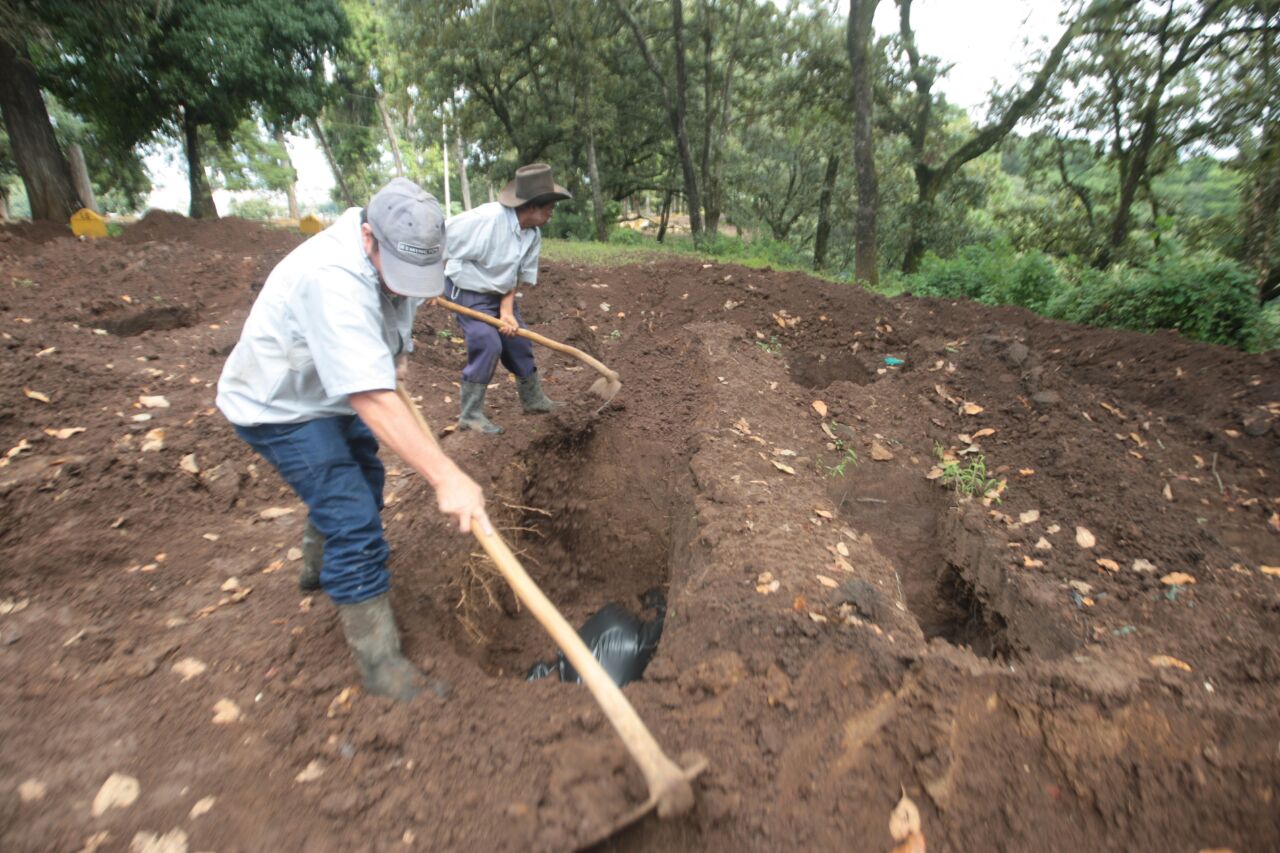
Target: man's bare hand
pixel 509 324
pixel 461 497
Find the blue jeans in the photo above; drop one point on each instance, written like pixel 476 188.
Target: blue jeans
pixel 486 346
pixel 332 464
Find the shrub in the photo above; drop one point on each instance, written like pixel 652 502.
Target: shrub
pixel 992 273
pixel 1201 294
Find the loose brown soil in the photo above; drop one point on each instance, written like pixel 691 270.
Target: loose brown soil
pixel 953 657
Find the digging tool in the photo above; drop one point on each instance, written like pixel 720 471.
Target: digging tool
pixel 670 791
pixel 605 387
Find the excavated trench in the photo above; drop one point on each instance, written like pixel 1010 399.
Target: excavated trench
pixel 953 578
pixel 597 510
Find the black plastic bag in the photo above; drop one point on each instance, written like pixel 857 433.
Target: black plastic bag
pixel 622 643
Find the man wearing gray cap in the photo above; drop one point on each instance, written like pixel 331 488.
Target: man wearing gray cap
pixel 311 387
pixel 493 249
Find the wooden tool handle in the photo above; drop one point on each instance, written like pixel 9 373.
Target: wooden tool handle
pixel 667 782
pixel 533 336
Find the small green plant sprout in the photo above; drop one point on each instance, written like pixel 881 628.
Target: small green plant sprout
pixel 22 282
pixel 773 346
pixel 615 334
pixel 969 479
pixel 445 334
pixel 848 457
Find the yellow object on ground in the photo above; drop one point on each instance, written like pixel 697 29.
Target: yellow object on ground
pixel 311 224
pixel 86 223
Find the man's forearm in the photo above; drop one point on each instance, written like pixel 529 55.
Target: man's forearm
pixel 396 427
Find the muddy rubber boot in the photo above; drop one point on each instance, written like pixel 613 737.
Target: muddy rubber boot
pixel 375 643
pixel 531 396
pixel 312 558
pixel 473 410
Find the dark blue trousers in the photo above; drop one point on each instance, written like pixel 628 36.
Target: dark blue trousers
pixel 333 465
pixel 486 346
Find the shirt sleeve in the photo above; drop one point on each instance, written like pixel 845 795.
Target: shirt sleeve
pixel 529 263
pixel 343 333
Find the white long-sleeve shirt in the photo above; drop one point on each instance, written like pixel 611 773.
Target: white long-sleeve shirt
pixel 487 251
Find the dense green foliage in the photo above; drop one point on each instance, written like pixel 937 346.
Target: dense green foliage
pixel 1199 293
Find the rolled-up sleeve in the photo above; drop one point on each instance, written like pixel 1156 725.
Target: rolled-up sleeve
pixel 342 334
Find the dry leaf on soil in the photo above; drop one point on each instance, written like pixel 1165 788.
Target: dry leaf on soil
pixel 36 395
pixel 275 512
pixel 827 582
pixel 904 819
pixel 1109 565
pixel 823 513
pixel 880 453
pixel 1274 571
pixel 225 711
pixel 842 549
pixel 820 407
pixel 1177 579
pixel 972 409
pixel 189 668
pixel 1166 662
pixel 313 771
pixel 153 402
pixel 66 432
pixel 1084 538
pixel 119 791
pixel 153 441
pixel 202 807
pixel 1029 517
pixel 782 466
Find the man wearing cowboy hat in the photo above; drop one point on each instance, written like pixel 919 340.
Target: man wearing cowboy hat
pixel 492 250
pixel 311 387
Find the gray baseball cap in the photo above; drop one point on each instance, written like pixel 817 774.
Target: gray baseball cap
pixel 409 226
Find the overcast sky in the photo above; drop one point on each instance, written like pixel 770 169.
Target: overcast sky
pixel 984 40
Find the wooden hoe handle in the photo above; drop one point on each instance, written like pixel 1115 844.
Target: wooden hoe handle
pixel 597 365
pixel 668 784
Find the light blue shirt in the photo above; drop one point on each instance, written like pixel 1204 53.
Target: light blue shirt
pixel 487 251
pixel 321 329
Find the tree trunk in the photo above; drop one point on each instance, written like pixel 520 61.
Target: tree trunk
pixel 80 177
pixel 391 135
pixel 823 236
pixel 291 188
pixel 4 204
pixel 597 194
pixel 444 150
pixel 202 206
pixel 681 131
pixel 920 219
pixel 333 163
pixel 1261 212
pixel 675 102
pixel 44 170
pixel 858 44
pixel 462 171
pixel 665 216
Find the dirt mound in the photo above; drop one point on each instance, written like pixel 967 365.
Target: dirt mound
pixel 1032 669
pixel 23 237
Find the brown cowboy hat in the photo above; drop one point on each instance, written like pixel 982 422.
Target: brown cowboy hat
pixel 533 183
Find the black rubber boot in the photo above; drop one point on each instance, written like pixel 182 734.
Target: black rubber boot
pixel 375 643
pixel 531 396
pixel 473 410
pixel 312 558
